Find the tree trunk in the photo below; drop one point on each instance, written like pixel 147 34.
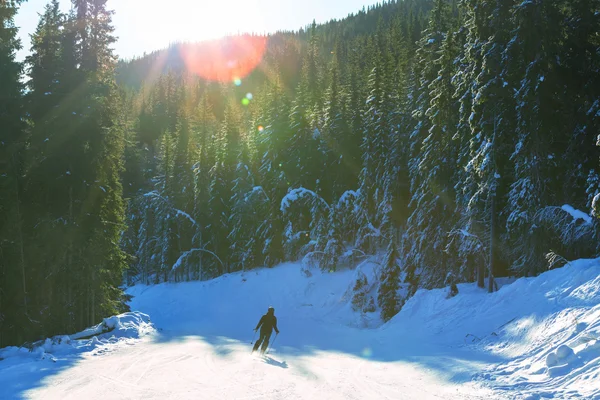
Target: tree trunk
pixel 480 272
pixel 481 275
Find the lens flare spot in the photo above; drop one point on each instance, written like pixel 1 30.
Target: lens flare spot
pixel 237 81
pixel 249 96
pixel 245 101
pixel 367 352
pixel 261 128
pixel 224 60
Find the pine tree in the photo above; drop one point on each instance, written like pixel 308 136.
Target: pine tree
pixel 492 123
pixel 14 307
pixel 359 297
pixel 387 297
pixel 424 74
pixel 581 60
pixel 205 127
pixel 375 148
pixel 532 59
pixel 336 132
pixel 433 200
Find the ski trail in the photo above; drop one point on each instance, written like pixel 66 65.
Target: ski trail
pixel 202 349
pixel 192 368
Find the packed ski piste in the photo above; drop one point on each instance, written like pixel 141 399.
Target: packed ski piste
pixel 534 338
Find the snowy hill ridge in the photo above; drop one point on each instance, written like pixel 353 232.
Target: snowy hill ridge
pixel 546 330
pixel 536 338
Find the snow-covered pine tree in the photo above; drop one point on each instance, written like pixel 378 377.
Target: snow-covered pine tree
pixel 183 189
pixel 273 135
pixel 335 138
pixel 389 284
pixel 249 212
pixel 492 126
pixel 433 200
pixel 430 143
pixel 375 148
pixel 532 60
pixel 360 290
pixel 205 128
pixel 334 246
pixel 580 61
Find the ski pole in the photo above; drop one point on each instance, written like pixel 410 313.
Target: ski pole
pixel 272 343
pixel 253 337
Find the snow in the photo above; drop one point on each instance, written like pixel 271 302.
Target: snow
pixel 577 214
pixel 256 190
pixel 178 212
pixel 347 197
pixel 596 202
pixel 24 368
pixel 535 338
pixel 186 215
pixel 296 194
pixel 522 325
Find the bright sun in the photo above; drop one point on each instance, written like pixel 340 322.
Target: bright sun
pixel 194 20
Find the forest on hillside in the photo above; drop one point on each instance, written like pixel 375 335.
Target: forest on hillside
pixel 454 140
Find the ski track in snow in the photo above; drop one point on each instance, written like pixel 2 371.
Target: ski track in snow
pixel 190 368
pixel 201 346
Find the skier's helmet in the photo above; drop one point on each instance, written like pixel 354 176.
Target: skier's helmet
pixel 271 310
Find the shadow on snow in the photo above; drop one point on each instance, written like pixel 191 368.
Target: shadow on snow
pixel 305 338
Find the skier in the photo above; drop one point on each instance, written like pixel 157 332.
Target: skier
pixel 267 323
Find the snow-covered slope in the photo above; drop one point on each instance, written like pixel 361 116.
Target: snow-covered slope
pixel 472 346
pixel 543 331
pixel 22 369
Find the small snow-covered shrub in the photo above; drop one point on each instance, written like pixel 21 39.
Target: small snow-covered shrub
pixel 359 299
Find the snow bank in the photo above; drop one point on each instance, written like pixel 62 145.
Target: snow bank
pixel 120 328
pixel 546 330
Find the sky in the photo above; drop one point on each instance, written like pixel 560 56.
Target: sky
pixel 148 25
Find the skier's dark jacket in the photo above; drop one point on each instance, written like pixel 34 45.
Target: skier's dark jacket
pixel 267 323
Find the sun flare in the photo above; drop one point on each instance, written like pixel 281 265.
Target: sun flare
pixel 197 20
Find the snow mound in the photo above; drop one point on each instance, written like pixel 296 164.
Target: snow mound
pixel 545 330
pixel 119 328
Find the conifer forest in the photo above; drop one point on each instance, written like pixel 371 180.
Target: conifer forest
pixel 456 139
